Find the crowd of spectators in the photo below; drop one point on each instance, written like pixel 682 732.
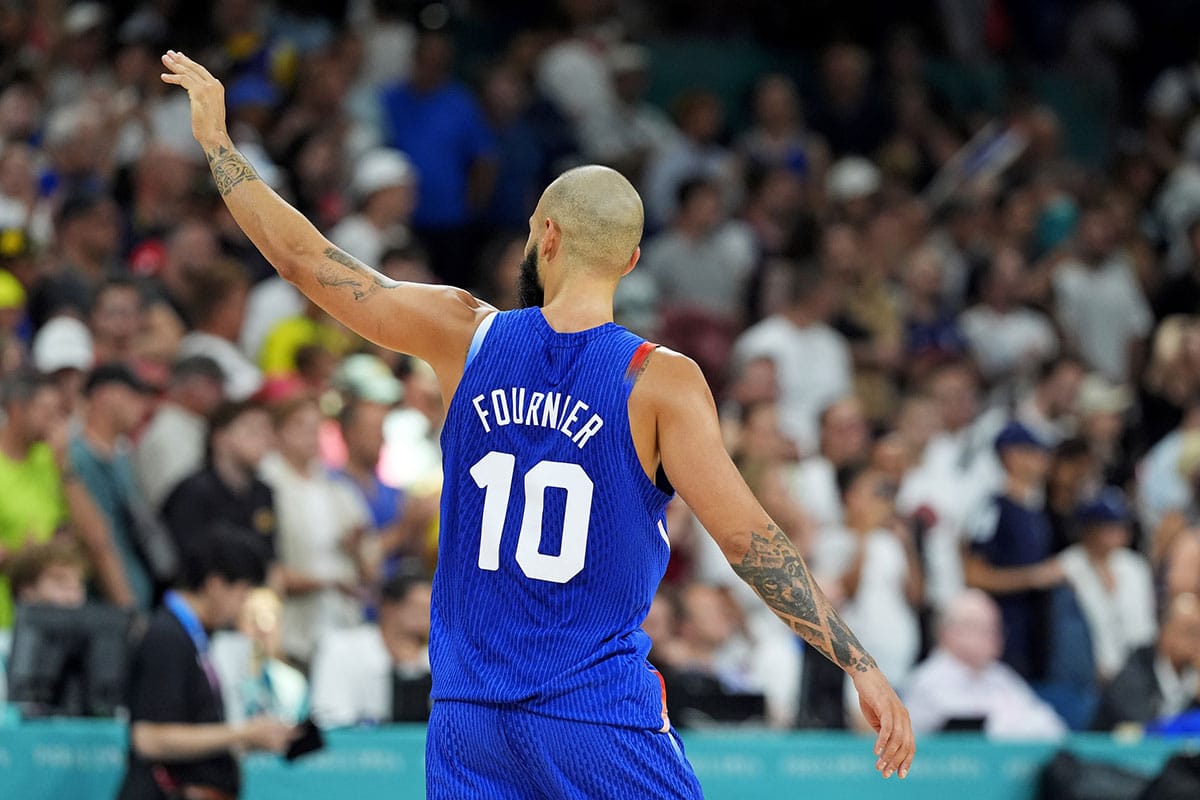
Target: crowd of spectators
pixel 956 354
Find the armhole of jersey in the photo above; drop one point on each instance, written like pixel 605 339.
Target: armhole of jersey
pixel 477 339
pixel 636 363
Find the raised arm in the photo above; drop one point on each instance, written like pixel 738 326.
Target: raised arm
pixel 434 323
pixel 695 460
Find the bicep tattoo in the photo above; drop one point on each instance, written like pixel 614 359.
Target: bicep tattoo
pixel 339 269
pixel 775 570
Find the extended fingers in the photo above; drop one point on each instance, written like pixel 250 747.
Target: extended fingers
pixel 885 735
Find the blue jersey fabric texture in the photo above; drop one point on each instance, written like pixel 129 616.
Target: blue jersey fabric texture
pixel 538 600
pixel 502 753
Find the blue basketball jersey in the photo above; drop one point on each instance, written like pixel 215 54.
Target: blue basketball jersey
pixel 553 539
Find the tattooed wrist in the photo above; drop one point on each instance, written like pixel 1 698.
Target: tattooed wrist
pixel 229 168
pixel 775 570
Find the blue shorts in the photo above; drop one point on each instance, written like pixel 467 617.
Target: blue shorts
pixel 504 753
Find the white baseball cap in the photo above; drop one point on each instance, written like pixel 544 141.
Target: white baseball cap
pixel 381 168
pixel 63 343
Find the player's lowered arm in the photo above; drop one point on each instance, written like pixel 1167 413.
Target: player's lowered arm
pixel 694 457
pixel 426 321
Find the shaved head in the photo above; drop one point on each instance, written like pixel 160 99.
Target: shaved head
pixel 599 214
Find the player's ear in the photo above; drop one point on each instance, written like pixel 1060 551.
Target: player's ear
pixel 551 240
pixel 633 260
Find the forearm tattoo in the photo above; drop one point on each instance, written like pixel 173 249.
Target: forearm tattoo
pixel 340 269
pixel 778 574
pixel 229 168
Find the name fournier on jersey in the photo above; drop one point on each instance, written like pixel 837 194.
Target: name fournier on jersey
pixel 518 406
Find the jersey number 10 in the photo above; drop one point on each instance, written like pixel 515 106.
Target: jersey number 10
pixel 494 474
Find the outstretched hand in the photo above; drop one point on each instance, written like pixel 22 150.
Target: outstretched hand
pixel 205 92
pixel 895 745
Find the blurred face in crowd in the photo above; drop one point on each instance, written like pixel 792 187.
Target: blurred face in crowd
pixel 1005 275
pixel 760 435
pixel 299 433
pixel 247 439
pixel 776 103
pixel 98 232
pixel 756 383
pixel 1059 392
pixel 702 119
pixel 202 393
pixel 845 68
pixel 870 501
pixel 20 113
pixel 971 630
pixel 659 624
pixel 363 433
pixel 890 456
pixel 1103 538
pixel 1026 463
pixel 841 253
pixel 923 275
pixel 407 619
pixel 1179 639
pixel 117 316
pixel 261 621
pixel 917 422
pixel 35 419
pixel 844 433
pixel 1073 472
pixel 702 211
pixel 392 203
pixel 60 584
pixel 708 621
pixel 956 393
pixel 18 172
pixel 224 600
pixel 1095 235
pixel 122 406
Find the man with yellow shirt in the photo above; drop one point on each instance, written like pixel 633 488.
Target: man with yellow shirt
pixel 38 495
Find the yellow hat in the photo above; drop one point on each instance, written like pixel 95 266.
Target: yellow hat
pixel 12 293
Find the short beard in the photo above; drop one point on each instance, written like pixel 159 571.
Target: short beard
pixel 530 291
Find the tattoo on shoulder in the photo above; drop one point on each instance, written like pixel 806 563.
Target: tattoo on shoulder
pixel 775 570
pixel 229 168
pixel 340 269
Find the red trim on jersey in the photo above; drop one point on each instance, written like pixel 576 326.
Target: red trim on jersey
pixel 666 719
pixel 639 359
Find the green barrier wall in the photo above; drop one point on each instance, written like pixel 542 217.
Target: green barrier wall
pixel 83 760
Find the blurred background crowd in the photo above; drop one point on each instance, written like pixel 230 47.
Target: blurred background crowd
pixel 939 260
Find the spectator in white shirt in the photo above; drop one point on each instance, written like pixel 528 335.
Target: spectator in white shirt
pixel 964 680
pixel 845 439
pixel 173 444
pixel 1101 307
pixel 384 188
pixel 358 671
pixel 812 360
pixel 1007 339
pixel 321 525
pixel 1113 584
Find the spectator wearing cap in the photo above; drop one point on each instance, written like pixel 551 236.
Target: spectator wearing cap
pixel 172 445
pixel 438 124
pixel 384 190
pixel 226 487
pixel 63 350
pixel 42 495
pixel 100 453
pixel 1113 584
pixel 217 310
pixel 1009 552
pixel 1161 679
pixel 1102 409
pixel 963 681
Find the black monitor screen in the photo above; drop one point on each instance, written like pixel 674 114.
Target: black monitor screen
pixel 69 661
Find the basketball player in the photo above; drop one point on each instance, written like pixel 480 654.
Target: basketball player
pixel 564 436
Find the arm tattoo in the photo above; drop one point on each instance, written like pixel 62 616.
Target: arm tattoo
pixel 779 575
pixel 229 168
pixel 341 269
